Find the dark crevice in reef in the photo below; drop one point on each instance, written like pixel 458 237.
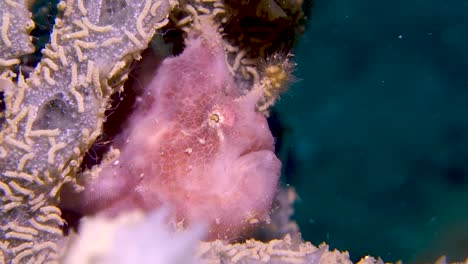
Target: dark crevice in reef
pixel 265 27
pixel 72 220
pixel 2 110
pixel 174 35
pixel 115 118
pixel 44 13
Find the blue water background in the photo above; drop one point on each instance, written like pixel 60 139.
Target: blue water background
pixel 375 134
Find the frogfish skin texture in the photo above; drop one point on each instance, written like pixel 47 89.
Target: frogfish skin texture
pixel 195 145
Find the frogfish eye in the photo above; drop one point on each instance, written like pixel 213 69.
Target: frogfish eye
pixel 214 117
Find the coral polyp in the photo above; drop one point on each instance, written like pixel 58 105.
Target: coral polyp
pixel 276 76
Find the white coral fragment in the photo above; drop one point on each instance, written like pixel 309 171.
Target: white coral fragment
pixel 133 238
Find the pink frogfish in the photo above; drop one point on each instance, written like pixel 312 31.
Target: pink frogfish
pixel 195 144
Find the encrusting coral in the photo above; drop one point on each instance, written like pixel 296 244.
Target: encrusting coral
pixel 14 36
pixel 53 115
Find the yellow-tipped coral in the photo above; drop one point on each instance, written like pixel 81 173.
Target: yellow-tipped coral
pixel 276 74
